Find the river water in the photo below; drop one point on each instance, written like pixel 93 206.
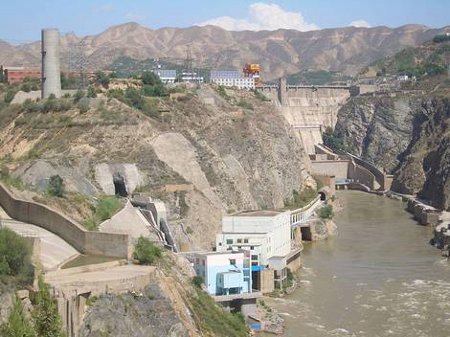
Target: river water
pixel 377 277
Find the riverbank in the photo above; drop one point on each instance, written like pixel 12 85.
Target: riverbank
pixel 378 277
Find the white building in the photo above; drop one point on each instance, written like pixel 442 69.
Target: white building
pixel 191 77
pixel 166 76
pixel 224 273
pixel 232 78
pixel 266 234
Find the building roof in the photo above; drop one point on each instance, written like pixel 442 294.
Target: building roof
pixel 267 213
pixel 165 73
pixel 222 74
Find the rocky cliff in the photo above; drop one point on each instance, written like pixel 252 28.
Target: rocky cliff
pixel 203 153
pixel 406 135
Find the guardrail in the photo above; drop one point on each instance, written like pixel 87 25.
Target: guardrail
pixel 300 215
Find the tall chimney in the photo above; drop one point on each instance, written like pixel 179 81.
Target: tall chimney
pixel 51 73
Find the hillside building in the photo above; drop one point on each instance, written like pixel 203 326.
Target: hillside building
pixel 165 75
pixel 267 235
pixel 232 78
pixel 224 273
pixel 14 75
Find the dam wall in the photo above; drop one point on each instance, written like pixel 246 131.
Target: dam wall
pixel 309 109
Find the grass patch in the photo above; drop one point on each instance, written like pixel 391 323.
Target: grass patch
pixel 326 212
pixel 105 208
pixel 214 320
pixel 260 96
pixel 300 199
pixel 146 252
pixel 244 104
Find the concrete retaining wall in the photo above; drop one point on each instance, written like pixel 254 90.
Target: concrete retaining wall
pixel 337 168
pixel 86 242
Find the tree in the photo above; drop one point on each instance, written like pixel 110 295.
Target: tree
pixel 146 252
pixel 149 78
pixel 91 93
pixel 45 315
pixel 102 79
pixel 15 256
pixel 56 186
pixel 17 324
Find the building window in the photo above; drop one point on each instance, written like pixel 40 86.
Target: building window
pixel 255 257
pixel 254 263
pixel 203 262
pixel 252 247
pixel 233 262
pixel 245 240
pixel 220 243
pixel 229 241
pixel 239 240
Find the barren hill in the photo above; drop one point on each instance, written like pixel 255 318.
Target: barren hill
pixel 280 52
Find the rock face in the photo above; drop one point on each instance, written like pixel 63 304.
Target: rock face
pixel 407 136
pixel 378 129
pixel 233 158
pixel 139 315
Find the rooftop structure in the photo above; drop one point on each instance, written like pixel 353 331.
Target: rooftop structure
pixel 232 78
pixel 166 75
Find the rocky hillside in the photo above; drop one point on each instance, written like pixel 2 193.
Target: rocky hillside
pixel 408 136
pixel 280 52
pixel 204 152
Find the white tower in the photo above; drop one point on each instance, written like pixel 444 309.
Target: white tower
pixel 51 74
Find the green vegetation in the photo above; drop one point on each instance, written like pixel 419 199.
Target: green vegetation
pixel 15 257
pixel 197 281
pixel 316 77
pixel 83 105
pixel 441 38
pixel 146 252
pixel 326 212
pixel 332 141
pixel 9 95
pixel 46 319
pixel 429 59
pixel 244 104
pixel 260 96
pixel 213 320
pixel 300 199
pixel 222 92
pixel 104 209
pixel 56 186
pixel 10 180
pixel 289 280
pixel 91 92
pixel 17 324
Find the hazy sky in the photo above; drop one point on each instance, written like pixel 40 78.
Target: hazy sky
pixel 22 19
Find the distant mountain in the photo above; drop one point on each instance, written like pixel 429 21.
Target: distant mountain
pixel 280 52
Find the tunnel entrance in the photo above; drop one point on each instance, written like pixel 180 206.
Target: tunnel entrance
pixel 323 196
pixel 306 233
pixel 120 188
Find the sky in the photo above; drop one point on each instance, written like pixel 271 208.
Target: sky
pixel 22 20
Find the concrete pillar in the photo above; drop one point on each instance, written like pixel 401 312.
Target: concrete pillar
pixel 282 91
pixel 50 73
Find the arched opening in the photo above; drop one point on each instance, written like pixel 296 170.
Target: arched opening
pixel 120 188
pixel 323 196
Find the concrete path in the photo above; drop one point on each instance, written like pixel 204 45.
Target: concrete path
pixel 101 278
pixel 54 250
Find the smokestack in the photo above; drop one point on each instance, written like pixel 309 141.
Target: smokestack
pixel 51 74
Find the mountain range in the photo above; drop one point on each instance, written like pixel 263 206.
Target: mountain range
pixel 280 52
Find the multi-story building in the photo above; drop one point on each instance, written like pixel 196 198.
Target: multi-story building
pixel 165 75
pixel 266 234
pixel 232 78
pixel 224 273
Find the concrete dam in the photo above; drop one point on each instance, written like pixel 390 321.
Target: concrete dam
pixel 309 109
